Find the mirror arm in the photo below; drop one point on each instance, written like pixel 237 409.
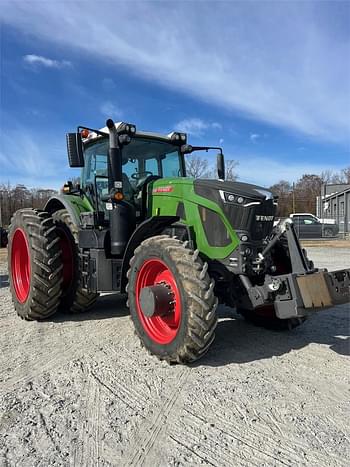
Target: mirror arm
pixel 188 149
pixel 98 132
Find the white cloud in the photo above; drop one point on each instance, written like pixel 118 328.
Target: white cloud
pixel 254 137
pixel 38 60
pixel 281 62
pixel 32 161
pixel 110 110
pixel 216 126
pixel 196 126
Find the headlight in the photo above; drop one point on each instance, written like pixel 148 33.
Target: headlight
pixel 174 136
pixel 127 128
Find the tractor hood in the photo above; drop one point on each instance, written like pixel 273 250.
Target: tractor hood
pixel 248 208
pixel 225 188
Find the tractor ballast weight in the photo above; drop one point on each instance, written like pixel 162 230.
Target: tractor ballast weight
pixel 176 245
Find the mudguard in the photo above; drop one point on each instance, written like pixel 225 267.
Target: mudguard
pixel 75 205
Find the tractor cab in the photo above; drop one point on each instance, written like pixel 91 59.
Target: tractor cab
pixel 145 159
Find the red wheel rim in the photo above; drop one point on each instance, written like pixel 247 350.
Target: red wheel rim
pixel 67 258
pixel 20 265
pixel 161 329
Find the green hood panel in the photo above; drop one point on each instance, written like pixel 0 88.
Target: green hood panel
pixel 176 196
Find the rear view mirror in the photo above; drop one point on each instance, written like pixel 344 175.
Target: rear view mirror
pixel 220 164
pixel 75 150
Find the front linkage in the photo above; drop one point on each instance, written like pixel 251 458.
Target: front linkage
pixel 304 289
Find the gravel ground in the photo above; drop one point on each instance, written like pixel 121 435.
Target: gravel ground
pixel 79 390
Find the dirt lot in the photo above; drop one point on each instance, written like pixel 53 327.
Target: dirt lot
pixel 79 390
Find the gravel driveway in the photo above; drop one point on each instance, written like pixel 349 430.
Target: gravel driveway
pixel 80 391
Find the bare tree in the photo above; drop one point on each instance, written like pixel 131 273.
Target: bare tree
pixel 18 197
pixel 339 177
pixel 307 189
pixel 230 169
pixel 283 189
pixel 197 166
pixel 346 175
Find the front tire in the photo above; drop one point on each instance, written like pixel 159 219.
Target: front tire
pixel 184 328
pixel 35 266
pixel 74 298
pixel 328 233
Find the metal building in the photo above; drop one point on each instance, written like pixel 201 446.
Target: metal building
pixel 336 205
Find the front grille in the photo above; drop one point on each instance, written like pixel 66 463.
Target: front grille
pixel 260 229
pixel 244 218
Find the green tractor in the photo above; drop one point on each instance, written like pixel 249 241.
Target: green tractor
pixel 177 246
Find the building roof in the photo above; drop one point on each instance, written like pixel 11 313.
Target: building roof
pixel 337 193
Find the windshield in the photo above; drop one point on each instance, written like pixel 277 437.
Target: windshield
pixel 141 157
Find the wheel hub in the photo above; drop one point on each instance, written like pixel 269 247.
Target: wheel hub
pixel 156 300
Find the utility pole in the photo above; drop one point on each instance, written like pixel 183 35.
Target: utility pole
pixel 293 197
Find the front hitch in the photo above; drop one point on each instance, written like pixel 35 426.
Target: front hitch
pixel 303 290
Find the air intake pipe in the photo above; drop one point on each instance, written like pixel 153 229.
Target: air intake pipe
pixel 122 215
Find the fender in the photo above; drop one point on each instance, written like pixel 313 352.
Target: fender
pixel 74 204
pixel 153 226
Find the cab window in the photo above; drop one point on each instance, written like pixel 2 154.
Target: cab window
pixel 151 165
pixel 141 155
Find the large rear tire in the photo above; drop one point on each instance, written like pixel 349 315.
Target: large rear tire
pixel 74 298
pixel 35 266
pixel 182 330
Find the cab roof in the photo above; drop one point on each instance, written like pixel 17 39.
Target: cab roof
pixel 93 136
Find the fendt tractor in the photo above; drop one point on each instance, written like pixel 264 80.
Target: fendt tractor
pixel 177 246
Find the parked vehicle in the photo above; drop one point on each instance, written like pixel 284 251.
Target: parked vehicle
pixel 323 220
pixel 309 226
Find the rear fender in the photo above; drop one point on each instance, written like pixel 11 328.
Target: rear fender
pixel 74 204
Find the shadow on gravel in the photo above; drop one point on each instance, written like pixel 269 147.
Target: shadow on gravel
pixel 4 281
pixel 240 342
pixel 107 306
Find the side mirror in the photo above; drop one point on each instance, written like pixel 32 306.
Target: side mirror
pixel 220 164
pixel 186 149
pixel 75 150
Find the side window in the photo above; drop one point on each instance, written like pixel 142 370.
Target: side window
pixel 151 165
pixel 171 165
pixel 95 163
pixel 308 221
pixel 101 168
pixel 130 167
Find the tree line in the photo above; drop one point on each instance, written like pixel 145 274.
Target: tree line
pixel 18 197
pixel 293 197
pixel 301 196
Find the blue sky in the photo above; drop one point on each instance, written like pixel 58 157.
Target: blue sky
pixel 270 81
